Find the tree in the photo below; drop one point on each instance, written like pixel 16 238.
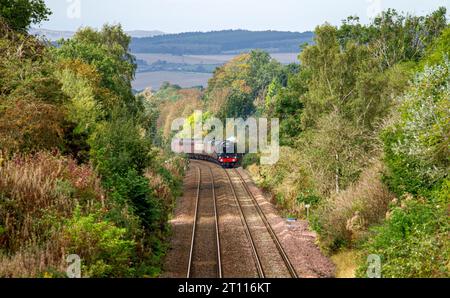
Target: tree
pixel 347 80
pixel 393 37
pixel 336 152
pixel 285 102
pixel 239 83
pixel 107 51
pixel 438 50
pixel 20 14
pixel 237 105
pixel 417 145
pixel 341 96
pixel 32 112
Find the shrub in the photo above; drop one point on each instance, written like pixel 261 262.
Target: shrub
pixel 40 223
pixel 77 99
pixel 335 153
pixel 289 182
pixel 134 190
pixel 38 193
pixel 417 145
pixel 28 126
pixel 121 155
pixel 32 116
pixel 118 146
pixel 413 242
pixel 103 248
pixel 343 219
pixel 250 159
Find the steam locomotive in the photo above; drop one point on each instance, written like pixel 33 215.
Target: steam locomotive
pixel 222 152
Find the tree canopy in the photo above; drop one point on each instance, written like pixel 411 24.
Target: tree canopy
pixel 20 14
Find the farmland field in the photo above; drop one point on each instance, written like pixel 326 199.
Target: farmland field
pixel 154 79
pixel 157 78
pixel 284 58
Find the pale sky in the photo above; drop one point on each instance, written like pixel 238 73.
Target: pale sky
pixel 173 16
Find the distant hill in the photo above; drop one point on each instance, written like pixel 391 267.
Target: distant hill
pixel 54 35
pixel 143 33
pixel 222 42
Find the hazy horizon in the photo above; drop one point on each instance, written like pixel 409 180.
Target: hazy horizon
pixel 176 16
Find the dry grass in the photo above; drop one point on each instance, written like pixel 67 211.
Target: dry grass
pixel 345 217
pixel 288 181
pixel 35 260
pixel 169 111
pixel 159 185
pixel 37 194
pixel 340 220
pixel 346 263
pixel 162 188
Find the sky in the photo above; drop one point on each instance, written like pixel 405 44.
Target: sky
pixel 173 16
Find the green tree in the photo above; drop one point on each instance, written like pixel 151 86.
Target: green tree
pixel 121 154
pixel 20 14
pixel 394 37
pixel 336 152
pixel 236 86
pixel 32 113
pixel 107 51
pixel 347 80
pixel 285 102
pixel 417 145
pixel 438 50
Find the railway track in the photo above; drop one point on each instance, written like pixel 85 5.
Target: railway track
pixel 277 242
pixel 205 255
pixel 205 260
pixel 247 205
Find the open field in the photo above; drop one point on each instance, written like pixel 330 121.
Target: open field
pixel 284 58
pixel 188 79
pixel 157 78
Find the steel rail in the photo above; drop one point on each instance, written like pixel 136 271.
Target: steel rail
pixel 194 227
pixel 255 254
pixel 216 216
pixel 272 233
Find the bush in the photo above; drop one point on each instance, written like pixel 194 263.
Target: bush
pixel 121 156
pixel 38 193
pixel 289 182
pixel 250 159
pixel 103 248
pixel 32 115
pixel 77 99
pixel 134 190
pixel 416 145
pixel 336 152
pixel 40 223
pixel 343 220
pixel 118 146
pixel 413 242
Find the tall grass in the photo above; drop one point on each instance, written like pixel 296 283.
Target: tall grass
pixel 289 181
pixel 38 193
pixel 343 219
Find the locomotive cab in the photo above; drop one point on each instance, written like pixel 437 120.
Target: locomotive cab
pixel 228 160
pixel 227 156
